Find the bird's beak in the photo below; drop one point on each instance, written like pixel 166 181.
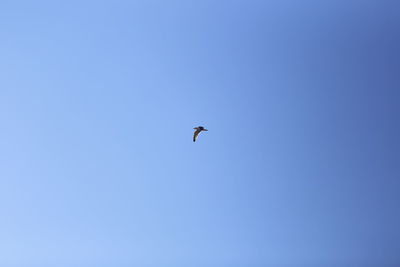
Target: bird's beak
pixel 205 130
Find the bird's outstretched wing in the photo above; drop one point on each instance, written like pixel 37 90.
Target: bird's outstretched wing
pixel 196 133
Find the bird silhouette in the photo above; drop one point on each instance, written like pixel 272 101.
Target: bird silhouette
pixel 197 132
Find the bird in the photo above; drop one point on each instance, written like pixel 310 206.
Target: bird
pixel 198 129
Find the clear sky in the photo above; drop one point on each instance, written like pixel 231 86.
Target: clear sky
pixel 300 166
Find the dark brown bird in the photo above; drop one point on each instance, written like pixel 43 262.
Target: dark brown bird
pixel 197 132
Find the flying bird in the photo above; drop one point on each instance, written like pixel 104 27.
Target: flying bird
pixel 198 130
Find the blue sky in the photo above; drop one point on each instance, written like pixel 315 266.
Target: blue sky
pixel 300 166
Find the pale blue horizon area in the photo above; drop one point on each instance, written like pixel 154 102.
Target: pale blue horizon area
pixel 300 166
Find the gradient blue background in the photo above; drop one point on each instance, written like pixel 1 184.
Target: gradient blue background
pixel 300 167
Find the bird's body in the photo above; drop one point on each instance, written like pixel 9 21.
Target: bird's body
pixel 197 132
